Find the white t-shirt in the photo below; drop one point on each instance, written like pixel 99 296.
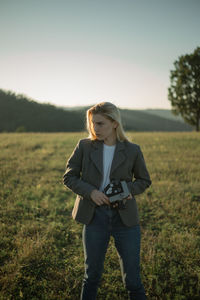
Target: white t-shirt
pixel 108 154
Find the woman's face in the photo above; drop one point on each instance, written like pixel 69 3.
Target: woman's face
pixel 103 128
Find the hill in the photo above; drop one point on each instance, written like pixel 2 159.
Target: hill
pixel 139 120
pixel 147 120
pixel 165 113
pixel 19 113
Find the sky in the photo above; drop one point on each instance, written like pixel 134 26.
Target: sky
pixel 81 52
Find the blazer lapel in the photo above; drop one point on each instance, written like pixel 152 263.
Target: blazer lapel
pixel 96 155
pixel 119 156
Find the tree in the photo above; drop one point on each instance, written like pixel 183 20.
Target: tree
pixel 184 92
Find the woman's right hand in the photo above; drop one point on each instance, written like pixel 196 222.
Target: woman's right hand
pixel 99 198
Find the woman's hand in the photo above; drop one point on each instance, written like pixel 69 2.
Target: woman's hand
pixel 116 205
pixel 99 198
pixel 129 197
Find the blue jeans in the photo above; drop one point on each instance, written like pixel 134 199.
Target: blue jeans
pixel 96 236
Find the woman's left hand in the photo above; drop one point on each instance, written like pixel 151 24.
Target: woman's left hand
pixel 115 205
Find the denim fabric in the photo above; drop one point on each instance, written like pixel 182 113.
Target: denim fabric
pixel 96 236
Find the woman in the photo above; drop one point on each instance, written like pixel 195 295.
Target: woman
pixel 105 156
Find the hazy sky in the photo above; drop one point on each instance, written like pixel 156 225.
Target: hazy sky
pixel 80 52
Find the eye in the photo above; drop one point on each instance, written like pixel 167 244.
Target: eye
pixel 99 123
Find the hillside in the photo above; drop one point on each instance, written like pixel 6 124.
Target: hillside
pixel 18 113
pixel 165 113
pixel 147 120
pixel 142 121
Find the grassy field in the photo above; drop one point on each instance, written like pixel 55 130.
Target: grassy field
pixel 41 249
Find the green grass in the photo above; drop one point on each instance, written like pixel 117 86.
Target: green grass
pixel 41 249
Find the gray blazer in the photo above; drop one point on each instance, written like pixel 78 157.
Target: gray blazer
pixel 84 173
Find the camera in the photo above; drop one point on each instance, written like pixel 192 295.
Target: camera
pixel 117 191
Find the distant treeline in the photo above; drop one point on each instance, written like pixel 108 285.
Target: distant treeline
pixel 139 120
pixel 18 114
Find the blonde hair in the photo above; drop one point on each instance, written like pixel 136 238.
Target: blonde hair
pixel 109 111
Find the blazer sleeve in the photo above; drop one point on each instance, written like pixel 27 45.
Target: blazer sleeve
pixel 72 177
pixel 141 176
